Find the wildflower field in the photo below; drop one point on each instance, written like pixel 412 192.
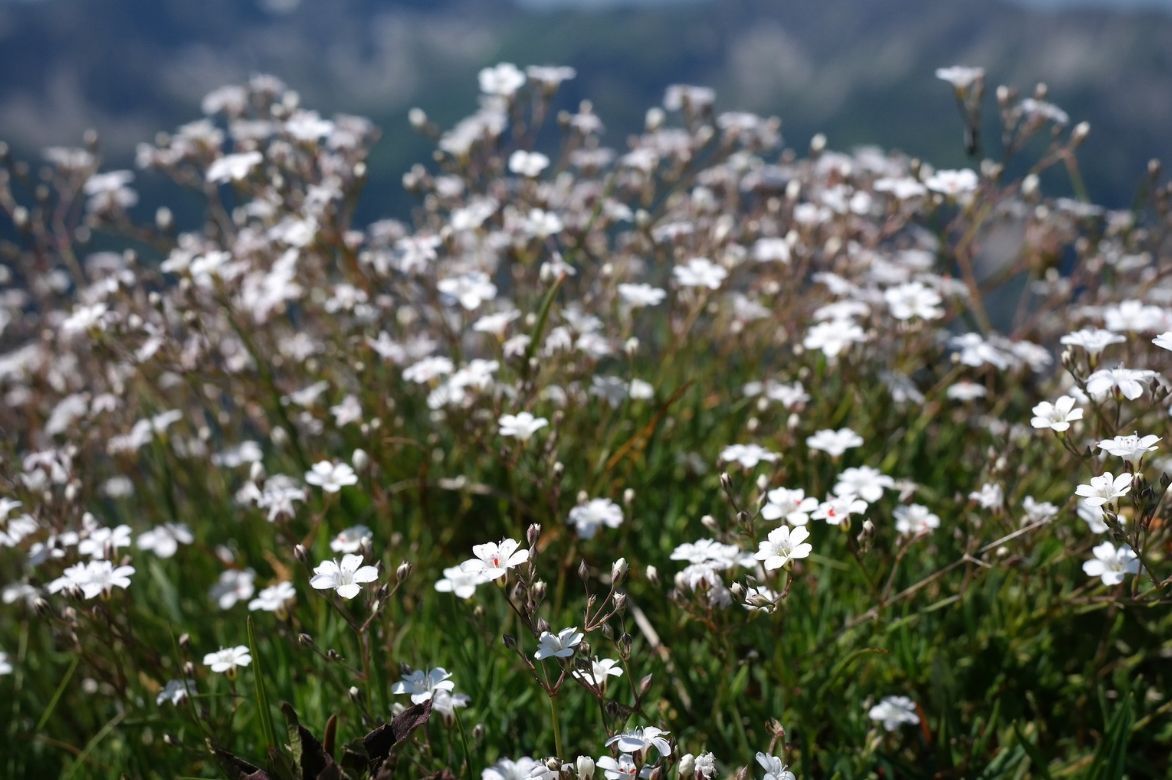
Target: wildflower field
pixel 695 456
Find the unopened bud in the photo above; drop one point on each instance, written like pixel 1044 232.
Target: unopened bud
pixel 360 460
pixel 618 570
pixel 532 534
pixel 403 572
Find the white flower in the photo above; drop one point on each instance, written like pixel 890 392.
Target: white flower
pixel 600 670
pixel 618 769
pixel 470 290
pixel 1093 340
pixel 503 79
pixel 639 739
pixel 915 520
pixel 1130 448
pixel 1105 489
pixel 834 336
pixel 1164 340
pixel 837 509
pixel 93 579
pixel 461 582
pixel 1037 511
pixel 1056 416
pixel 990 496
pixel 774 768
pixel 953 184
pixel 234 585
pixel 344 577
pixel 700 272
pixel 639 295
pixel 1128 382
pixel 559 645
pixel 330 476
pixel 233 167
pixel 446 702
pixel 834 443
pixel 228 659
pixel 174 692
pixel 494 559
pixel 783 545
pixel 1111 564
pixel 525 163
pixel 274 598
pixel 5 664
pixel 422 684
pixel 350 540
pixel 793 505
pixel 961 77
pixel 164 540
pixel 913 300
pixel 1092 515
pixel 894 711
pixel 584 768
pixel 521 426
pixel 587 518
pixel 524 768
pixel 748 455
pixel 865 482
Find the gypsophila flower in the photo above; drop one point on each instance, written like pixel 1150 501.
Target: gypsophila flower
pixel 1131 448
pixel 494 559
pixel 600 670
pixel 596 513
pixel 232 587
pixel 1092 340
pixel 1056 416
pixel 893 712
pixel 521 426
pixel 421 685
pixel 865 482
pixel 640 295
pixel 275 598
pixel 640 739
pixel 1127 382
pixel 1111 564
pixel 345 577
pixel 794 506
pixel 783 545
pixel 748 455
pixel 461 582
pixel 915 520
pixel 1164 340
pixel 834 443
pixel 93 579
pixel 700 272
pixel 559 645
pixel 1105 490
pixel 774 768
pixel 5 664
pixel 164 540
pixel 331 476
pixel 175 692
pixel 529 164
pixel 621 768
pixel 837 510
pixel 228 659
pixel 350 540
pixel 446 702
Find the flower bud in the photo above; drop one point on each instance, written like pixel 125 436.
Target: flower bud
pixel 360 460
pixel 687 765
pixel 618 570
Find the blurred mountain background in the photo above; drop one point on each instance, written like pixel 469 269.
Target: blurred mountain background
pixel 860 71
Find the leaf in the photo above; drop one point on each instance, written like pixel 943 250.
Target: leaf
pixel 262 700
pixel 314 761
pixel 380 743
pixel 238 768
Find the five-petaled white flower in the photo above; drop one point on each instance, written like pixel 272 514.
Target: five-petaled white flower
pixel 894 711
pixel 834 443
pixel 600 669
pixel 1127 382
pixel 494 559
pixel 174 692
pixel 559 645
pixel 639 739
pixel 1130 448
pixel 1105 489
pixel 344 577
pixel 620 768
pixel 865 482
pixel 521 426
pixel 774 768
pixel 915 519
pixel 1056 416
pixel 226 660
pixel 461 582
pixel 1111 564
pixel 331 476
pixel 783 545
pixel 587 518
pixel 792 505
pixel 748 455
pixel 422 684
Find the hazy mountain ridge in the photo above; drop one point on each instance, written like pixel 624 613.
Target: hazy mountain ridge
pixel 860 71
